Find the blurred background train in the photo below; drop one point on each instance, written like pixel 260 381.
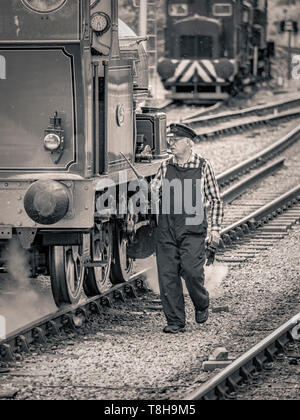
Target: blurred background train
pixel 214 48
pixel 73 79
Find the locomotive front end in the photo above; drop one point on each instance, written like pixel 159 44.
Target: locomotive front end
pixel 70 89
pixel 46 193
pixel 200 62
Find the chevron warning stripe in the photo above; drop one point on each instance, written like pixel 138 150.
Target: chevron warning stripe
pixel 189 71
pixel 181 68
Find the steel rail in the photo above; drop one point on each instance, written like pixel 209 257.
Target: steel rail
pixel 245 125
pixel 201 113
pixel 255 110
pixel 295 50
pixel 70 317
pixel 236 190
pixel 261 216
pixel 259 158
pixel 235 376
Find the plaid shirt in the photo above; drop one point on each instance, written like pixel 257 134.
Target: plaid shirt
pixel 211 188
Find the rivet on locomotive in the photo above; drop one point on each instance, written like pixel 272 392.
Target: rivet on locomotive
pixel 76 78
pixel 213 49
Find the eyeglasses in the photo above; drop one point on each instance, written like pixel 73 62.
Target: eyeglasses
pixel 173 140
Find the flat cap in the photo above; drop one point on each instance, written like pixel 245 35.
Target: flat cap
pixel 181 130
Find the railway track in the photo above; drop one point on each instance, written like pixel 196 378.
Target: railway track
pixel 245 124
pixel 279 215
pixel 229 123
pixel 244 238
pixel 294 50
pixel 259 159
pixel 255 231
pixel 173 110
pixel 261 110
pixel 272 211
pixel 72 317
pixel 246 370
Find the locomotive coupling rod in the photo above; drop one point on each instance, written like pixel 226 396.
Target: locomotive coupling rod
pixel 139 177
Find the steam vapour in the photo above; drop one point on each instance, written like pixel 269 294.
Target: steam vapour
pixel 20 302
pixel 214 275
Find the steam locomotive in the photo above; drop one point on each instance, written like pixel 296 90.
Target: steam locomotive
pixel 73 82
pixel 213 48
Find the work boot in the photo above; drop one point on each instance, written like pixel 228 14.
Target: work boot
pixel 201 316
pixel 173 329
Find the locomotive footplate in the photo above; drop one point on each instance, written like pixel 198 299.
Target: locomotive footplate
pixel 5 232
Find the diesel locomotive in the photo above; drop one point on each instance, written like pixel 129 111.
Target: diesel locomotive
pixel 213 48
pixel 73 82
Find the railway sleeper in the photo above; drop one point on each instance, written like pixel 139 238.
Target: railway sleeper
pixel 22 344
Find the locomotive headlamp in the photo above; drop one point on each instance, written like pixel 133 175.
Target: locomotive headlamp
pixel 54 138
pixel 47 202
pixel 52 142
pixel 100 22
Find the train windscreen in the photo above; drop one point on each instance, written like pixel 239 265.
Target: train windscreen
pixel 199 46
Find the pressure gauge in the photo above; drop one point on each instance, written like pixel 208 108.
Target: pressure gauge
pixel 44 6
pixel 100 22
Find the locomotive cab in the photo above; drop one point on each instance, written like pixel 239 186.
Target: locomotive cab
pixel 67 118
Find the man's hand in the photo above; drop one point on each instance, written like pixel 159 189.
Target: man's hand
pixel 215 239
pixel 212 244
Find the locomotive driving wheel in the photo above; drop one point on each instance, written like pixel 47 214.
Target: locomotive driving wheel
pixel 67 273
pixel 97 280
pixel 122 265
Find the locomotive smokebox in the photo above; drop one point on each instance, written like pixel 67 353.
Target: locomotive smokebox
pixel 46 202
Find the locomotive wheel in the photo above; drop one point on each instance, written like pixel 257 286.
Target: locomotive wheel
pixel 67 274
pixel 97 280
pixel 121 268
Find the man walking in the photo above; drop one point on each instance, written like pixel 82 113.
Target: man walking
pixel 182 227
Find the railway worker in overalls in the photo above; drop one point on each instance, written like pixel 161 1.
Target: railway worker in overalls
pixel 182 245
